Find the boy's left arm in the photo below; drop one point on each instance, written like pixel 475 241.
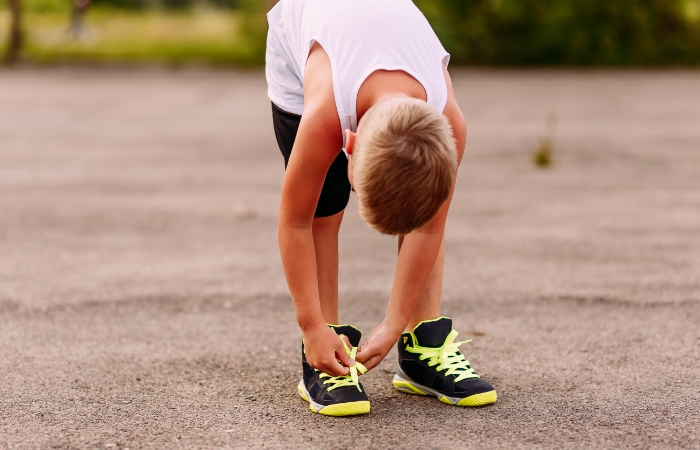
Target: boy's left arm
pixel 418 254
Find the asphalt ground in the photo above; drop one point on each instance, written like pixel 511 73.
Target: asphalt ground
pixel 143 305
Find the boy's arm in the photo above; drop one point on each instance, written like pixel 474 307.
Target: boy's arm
pixel 416 260
pixel 317 144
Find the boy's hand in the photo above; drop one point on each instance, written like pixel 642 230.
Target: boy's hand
pixel 379 344
pixel 323 349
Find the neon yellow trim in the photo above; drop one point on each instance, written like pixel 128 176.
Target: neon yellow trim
pixel 340 409
pixel 333 325
pixel 446 400
pixel 407 387
pixel 346 409
pixel 485 398
pixel 447 358
pixel 346 380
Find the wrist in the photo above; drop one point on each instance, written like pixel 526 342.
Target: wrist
pixel 395 325
pixel 307 324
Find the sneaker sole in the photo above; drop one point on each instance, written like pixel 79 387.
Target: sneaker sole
pixel 411 387
pixel 337 410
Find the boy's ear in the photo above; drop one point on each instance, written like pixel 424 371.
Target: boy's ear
pixel 349 141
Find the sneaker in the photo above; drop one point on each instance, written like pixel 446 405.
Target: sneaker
pixel 335 396
pixel 430 364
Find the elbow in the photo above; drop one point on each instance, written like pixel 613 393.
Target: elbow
pixel 286 225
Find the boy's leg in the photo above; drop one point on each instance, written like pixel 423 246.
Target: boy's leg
pixel 325 232
pixel 454 381
pixel 428 306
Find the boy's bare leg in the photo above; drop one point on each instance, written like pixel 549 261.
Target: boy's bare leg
pixel 428 306
pixel 325 233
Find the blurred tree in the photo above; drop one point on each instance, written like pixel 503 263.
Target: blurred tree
pixel 571 32
pixel 253 30
pixel 225 4
pixel 177 4
pixel 489 32
pixel 80 7
pixel 16 37
pixel 167 4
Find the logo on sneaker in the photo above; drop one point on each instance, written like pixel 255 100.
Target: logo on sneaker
pixel 405 339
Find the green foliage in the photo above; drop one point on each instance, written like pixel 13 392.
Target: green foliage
pixel 201 36
pixel 253 31
pixel 568 32
pixel 225 4
pixel 47 6
pixel 164 4
pixel 489 32
pixel 122 4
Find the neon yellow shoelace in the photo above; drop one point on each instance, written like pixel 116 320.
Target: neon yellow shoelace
pixel 346 380
pixel 447 358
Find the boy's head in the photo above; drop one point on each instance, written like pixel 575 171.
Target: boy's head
pixel 402 164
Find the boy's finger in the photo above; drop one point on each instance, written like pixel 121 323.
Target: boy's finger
pixel 347 341
pixel 367 353
pixel 337 370
pixel 343 357
pixel 328 369
pixel 373 362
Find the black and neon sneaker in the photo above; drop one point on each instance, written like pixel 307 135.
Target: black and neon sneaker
pixel 430 364
pixel 335 396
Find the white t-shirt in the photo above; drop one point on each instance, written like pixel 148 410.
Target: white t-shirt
pixel 359 37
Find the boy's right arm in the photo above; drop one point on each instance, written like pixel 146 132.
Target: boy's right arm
pixel 317 144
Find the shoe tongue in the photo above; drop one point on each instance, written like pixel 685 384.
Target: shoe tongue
pixel 353 334
pixel 432 333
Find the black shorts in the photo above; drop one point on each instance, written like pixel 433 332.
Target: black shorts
pixel 336 188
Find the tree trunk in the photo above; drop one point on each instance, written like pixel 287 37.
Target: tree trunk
pixel 79 9
pixel 14 46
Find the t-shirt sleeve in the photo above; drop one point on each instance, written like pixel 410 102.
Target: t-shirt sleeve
pixel 284 88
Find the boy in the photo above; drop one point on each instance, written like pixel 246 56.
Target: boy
pixel 368 77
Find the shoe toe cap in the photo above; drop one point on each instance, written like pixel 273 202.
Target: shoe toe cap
pixel 472 386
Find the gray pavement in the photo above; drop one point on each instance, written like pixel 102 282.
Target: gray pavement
pixel 143 305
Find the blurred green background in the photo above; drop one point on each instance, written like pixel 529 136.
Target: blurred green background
pixel 232 32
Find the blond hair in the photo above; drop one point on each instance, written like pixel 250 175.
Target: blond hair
pixel 404 164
